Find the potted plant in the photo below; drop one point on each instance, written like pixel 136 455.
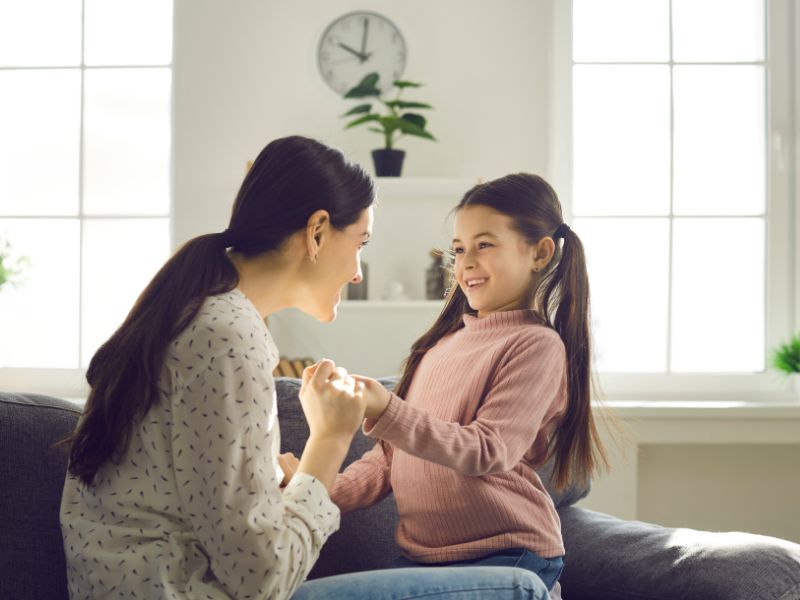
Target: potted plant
pixel 10 271
pixel 786 359
pixel 399 118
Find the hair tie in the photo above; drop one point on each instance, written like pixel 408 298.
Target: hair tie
pixel 561 231
pixel 227 238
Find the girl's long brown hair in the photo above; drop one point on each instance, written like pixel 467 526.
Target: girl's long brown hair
pixel 561 299
pixel 291 179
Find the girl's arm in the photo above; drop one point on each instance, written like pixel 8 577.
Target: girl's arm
pixel 366 481
pixel 527 392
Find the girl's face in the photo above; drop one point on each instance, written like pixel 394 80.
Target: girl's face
pixel 494 264
pixel 339 263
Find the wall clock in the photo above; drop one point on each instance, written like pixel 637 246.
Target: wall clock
pixel 358 43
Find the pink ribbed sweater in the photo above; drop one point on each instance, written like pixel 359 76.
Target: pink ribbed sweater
pixel 460 451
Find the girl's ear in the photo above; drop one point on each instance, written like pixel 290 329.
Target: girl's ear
pixel 317 229
pixel 543 253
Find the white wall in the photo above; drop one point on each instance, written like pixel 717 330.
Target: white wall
pixel 245 73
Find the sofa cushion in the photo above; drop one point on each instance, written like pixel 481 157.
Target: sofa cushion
pixel 611 559
pixel 32 473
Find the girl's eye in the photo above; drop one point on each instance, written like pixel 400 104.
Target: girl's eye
pixel 361 246
pixel 483 245
pixel 458 251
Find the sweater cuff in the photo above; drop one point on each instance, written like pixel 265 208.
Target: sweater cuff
pixel 308 492
pixel 378 428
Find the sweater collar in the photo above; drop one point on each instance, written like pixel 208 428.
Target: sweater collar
pixel 505 318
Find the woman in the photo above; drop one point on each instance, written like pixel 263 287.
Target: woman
pixel 174 485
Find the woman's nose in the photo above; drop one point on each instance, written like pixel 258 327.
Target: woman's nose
pixel 359 277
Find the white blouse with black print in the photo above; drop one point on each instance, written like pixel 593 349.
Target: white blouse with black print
pixel 194 508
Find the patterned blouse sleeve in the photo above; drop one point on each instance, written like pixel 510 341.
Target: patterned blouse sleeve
pixel 261 541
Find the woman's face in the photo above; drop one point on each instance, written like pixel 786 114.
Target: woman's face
pixel 339 263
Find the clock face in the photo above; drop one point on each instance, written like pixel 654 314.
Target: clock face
pixel 359 43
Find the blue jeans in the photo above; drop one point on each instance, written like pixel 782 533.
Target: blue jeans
pixel 450 583
pixel 547 569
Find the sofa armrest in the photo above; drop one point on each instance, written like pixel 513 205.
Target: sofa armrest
pixel 611 559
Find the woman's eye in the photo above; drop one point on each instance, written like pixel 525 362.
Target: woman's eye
pixel 361 246
pixel 458 251
pixel 483 245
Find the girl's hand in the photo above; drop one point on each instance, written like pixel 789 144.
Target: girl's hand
pixel 376 396
pixel 332 401
pixel 288 463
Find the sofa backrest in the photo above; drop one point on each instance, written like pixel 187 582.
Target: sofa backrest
pixel 31 480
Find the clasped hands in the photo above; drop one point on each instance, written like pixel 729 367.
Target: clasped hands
pixel 335 403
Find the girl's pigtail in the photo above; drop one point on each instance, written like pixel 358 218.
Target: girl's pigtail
pixel 577 449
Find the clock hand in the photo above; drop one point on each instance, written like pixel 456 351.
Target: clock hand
pixel 364 38
pixel 361 56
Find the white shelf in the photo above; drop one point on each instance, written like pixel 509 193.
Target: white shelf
pixel 391 304
pixel 423 187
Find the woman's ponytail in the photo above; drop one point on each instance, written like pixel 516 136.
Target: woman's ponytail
pixel 124 372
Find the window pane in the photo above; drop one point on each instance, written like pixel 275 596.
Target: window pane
pixel 127 142
pixel 717 30
pixel 718 295
pixel 621 149
pixel 40 33
pixel 128 32
pixel 629 291
pixel 719 140
pixel 40 114
pixel 120 257
pixel 620 30
pixel 39 318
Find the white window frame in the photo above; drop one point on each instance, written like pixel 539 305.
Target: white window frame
pixel 71 383
pixel 782 71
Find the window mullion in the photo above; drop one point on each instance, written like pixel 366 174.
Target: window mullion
pixel 80 185
pixel 671 192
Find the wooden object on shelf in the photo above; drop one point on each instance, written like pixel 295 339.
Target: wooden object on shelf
pixel 292 367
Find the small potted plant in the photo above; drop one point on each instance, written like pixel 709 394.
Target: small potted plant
pixel 10 270
pixel 398 118
pixel 786 359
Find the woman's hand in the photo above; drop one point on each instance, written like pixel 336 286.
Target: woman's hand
pixel 334 404
pixel 332 400
pixel 288 463
pixel 376 396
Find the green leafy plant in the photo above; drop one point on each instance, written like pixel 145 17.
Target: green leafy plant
pixel 400 116
pixel 786 357
pixel 10 270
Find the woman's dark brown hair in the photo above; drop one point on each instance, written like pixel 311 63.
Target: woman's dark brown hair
pixel 291 179
pixel 561 299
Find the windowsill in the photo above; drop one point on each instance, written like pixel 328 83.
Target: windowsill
pixel 782 407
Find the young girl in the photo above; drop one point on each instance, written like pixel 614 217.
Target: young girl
pixel 174 484
pixel 497 386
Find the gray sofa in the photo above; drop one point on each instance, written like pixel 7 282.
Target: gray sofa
pixel 607 558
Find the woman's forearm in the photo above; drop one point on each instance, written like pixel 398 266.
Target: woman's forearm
pixel 322 458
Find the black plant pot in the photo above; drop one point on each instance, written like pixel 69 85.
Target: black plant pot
pixel 388 162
